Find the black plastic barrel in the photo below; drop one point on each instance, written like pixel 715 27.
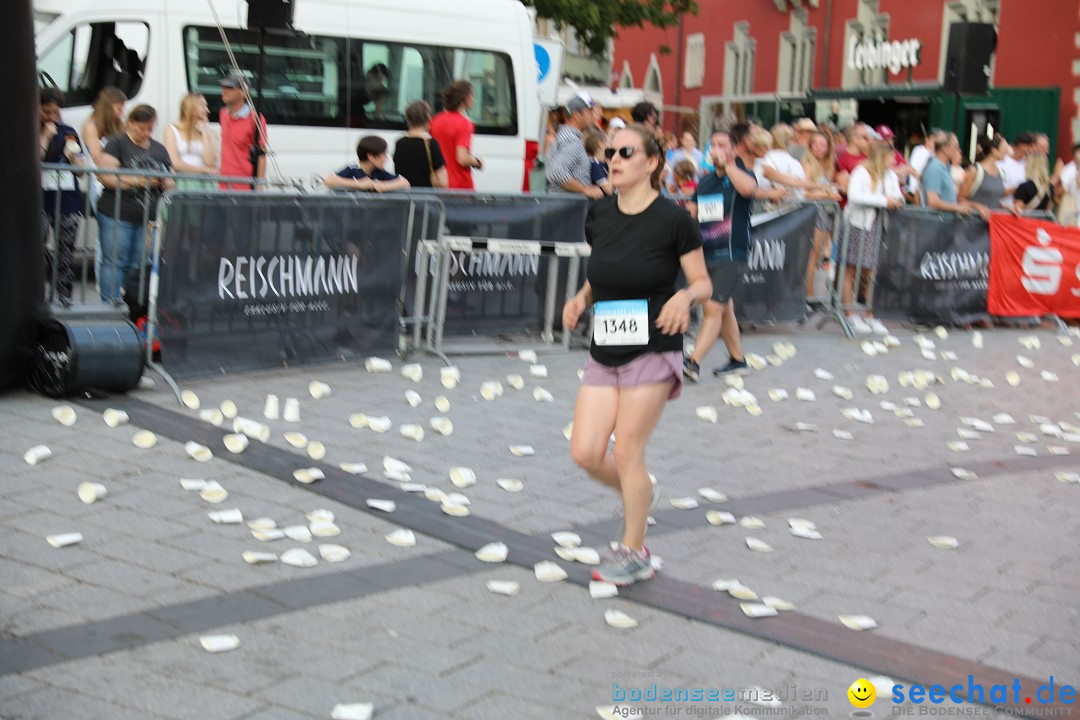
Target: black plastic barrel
pixel 73 357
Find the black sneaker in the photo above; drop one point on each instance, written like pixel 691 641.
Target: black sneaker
pixel 691 370
pixel 733 366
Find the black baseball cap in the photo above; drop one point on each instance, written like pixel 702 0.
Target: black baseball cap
pixel 231 81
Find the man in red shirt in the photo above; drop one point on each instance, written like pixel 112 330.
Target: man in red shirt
pixel 238 134
pixel 453 131
pixel 858 146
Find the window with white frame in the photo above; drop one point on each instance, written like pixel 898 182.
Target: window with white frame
pixel 796 67
pixel 626 78
pixel 694 64
pixel 739 61
pixel 654 81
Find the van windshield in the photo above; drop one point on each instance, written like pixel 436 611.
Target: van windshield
pixel 349 82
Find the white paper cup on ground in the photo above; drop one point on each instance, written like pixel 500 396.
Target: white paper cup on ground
pixel 442 425
pixel 257 558
pixel 412 371
pixel 227 517
pixel 379 424
pixel 515 381
pixel 36 454
pixel 236 443
pixel 64 414
pixel 462 477
pixel 442 404
pixel 538 371
pixel 332 553
pixel 412 431
pixel 490 390
pixel 252 428
pixel 64 539
pixel 90 492
pixel 272 408
pixel 378 365
pixel 190 399
pixel 352 711
pixel 413 398
pixel 219 643
pixel 213 493
pixel 450 377
pixel 316 450
pixel 292 410
pixel 527 356
pixel 228 409
pixel 299 557
pixel 197 452
pixel 318 390
pixel 210 415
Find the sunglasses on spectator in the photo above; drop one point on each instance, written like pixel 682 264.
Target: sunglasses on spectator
pixel 625 153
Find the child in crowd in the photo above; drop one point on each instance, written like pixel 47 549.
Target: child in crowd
pixel 369 173
pixel 595 144
pixel 685 184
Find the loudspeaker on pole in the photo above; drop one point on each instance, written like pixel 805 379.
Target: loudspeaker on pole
pixel 967 62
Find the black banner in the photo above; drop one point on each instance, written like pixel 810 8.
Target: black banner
pixel 493 293
pixel 934 268
pixel 253 280
pixel 774 285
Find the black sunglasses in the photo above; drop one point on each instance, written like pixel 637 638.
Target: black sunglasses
pixel 624 152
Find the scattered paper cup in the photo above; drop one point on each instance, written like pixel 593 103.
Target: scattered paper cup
pixel 258 558
pixel 442 404
pixel 90 492
pixel 378 365
pixel 462 477
pixel 402 537
pixel 510 484
pixel 227 517
pixel 144 439
pixel 450 376
pixel 442 425
pixel 379 424
pixel 358 420
pixel 490 390
pixel 324 529
pixel 297 440
pixel 320 515
pixel 272 409
pixel 228 409
pixel 299 533
pixel 412 431
pixel 412 371
pixel 352 711
pixel 219 643
pixel 64 539
pixel 542 395
pixel 538 371
pixel 197 452
pixel 37 454
pixel 213 493
pixel 619 619
pixel 413 398
pixel 495 552
pixel 252 428
pixel 190 399
pixel 455 510
pixel 292 410
pixel 236 443
pixel 316 450
pixel 318 390
pixel 64 414
pixel 334 553
pixel 299 557
pixel 527 356
pixel 384 505
pixel 210 415
pixel 547 571
pixel 192 484
pixel 515 381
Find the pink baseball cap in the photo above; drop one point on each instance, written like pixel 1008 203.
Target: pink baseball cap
pixel 885 132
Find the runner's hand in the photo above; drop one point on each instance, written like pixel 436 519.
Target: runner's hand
pixel 674 317
pixel 572 311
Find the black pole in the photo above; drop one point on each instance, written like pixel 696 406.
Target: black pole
pixel 22 261
pixel 256 151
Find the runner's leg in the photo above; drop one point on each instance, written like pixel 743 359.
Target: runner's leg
pixel 639 410
pixel 594 419
pixel 709 331
pixel 729 330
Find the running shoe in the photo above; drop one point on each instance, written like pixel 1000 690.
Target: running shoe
pixel 859 326
pixel 653 502
pixel 625 566
pixel 877 326
pixel 733 366
pixel 691 370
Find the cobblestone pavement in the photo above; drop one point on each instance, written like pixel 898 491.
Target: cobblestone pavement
pixel 110 627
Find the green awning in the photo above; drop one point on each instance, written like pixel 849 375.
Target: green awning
pixel 881 92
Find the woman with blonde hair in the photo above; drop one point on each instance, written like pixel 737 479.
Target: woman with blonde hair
pixel 873 186
pixel 191 142
pixel 819 164
pixel 1037 191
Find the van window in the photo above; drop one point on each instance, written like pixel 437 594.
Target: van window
pixel 347 82
pixel 93 56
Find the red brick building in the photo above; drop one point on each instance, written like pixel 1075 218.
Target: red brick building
pixel 779 59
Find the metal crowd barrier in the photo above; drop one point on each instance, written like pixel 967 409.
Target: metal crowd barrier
pixel 74 233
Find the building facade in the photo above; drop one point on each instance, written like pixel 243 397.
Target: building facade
pixel 883 61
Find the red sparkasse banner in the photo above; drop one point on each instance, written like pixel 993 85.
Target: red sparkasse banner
pixel 1034 268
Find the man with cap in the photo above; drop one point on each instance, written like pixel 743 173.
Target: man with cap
pixel 804 130
pixel 568 163
pixel 239 155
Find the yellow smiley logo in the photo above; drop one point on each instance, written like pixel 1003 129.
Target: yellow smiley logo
pixel 861 693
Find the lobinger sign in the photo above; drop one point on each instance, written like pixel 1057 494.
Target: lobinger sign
pixel 873 54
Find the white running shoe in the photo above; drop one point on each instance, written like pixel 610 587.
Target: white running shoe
pixel 859 326
pixel 877 326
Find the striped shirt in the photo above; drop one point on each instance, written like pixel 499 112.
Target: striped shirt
pixel 567 160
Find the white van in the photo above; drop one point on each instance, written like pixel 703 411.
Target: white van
pixel 318 82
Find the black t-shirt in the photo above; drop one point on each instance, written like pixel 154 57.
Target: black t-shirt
pixel 637 257
pixel 130 155
pixel 726 240
pixel 411 160
pixel 1027 192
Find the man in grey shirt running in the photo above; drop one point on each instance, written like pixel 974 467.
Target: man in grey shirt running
pixel 567 161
